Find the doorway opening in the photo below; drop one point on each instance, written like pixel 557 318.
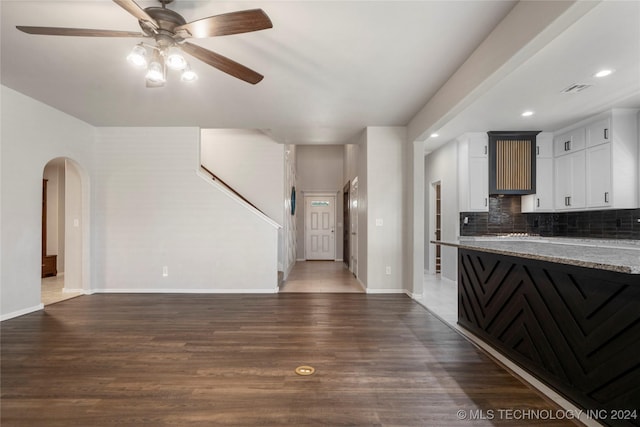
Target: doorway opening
pixel 64 218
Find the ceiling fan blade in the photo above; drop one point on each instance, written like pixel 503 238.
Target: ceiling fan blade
pixel 78 32
pixel 228 23
pixel 133 8
pixel 222 63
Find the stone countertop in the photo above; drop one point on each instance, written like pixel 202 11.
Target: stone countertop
pixel 613 255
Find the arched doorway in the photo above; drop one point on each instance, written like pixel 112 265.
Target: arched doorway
pixel 64 231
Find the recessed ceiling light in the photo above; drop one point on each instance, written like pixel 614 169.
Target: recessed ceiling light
pixel 434 135
pixel 527 114
pixel 603 73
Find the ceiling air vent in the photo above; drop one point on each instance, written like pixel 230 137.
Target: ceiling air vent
pixel 575 88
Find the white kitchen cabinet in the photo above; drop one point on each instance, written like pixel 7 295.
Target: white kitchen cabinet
pixel 599 132
pixel 478 144
pixel 570 185
pixel 569 142
pixel 599 189
pixel 610 171
pixel 612 160
pixel 478 184
pixel 473 172
pixel 542 201
pixel 544 145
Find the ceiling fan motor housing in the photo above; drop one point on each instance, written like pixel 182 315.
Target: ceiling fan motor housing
pixel 167 21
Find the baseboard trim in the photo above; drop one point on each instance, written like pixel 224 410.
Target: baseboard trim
pixel 182 291
pixel 526 377
pixel 22 312
pixel 413 296
pixel 73 291
pixel 385 291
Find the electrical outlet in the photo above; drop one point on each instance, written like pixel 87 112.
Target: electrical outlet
pixel 388 270
pixel 165 271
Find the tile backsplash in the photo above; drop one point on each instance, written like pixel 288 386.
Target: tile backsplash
pixel 504 217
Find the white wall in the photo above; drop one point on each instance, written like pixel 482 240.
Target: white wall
pixel 414 219
pixel 320 169
pixel 385 148
pixel 250 162
pixel 32 134
pixel 351 153
pixel 289 223
pixel 74 241
pixel 153 209
pixel 363 209
pixel 442 165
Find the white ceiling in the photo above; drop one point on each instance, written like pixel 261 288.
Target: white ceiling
pixel 606 37
pixel 331 67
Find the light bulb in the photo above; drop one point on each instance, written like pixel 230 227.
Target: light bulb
pixel 188 75
pixel 138 56
pixel 175 60
pixel 155 73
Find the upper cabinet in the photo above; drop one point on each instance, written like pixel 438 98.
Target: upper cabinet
pixel 542 200
pixel 569 142
pixel 597 163
pixel 473 172
pixel 599 132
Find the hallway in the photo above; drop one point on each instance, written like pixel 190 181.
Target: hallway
pixel 321 277
pixel 52 289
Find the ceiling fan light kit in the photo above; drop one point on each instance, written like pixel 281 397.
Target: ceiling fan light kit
pixel 188 75
pixel 155 71
pixel 169 31
pixel 174 59
pixel 138 56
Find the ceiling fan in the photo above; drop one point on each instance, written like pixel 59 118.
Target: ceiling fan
pixel 169 30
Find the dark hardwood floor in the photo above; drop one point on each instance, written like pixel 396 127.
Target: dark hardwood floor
pixel 218 360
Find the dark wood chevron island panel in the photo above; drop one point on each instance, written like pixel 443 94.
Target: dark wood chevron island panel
pixel 575 328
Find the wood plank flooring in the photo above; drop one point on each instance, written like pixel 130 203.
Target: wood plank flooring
pixel 229 360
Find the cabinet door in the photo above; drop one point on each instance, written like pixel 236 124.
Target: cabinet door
pixel 478 145
pixel 562 182
pixel 478 184
pixel 599 133
pixel 544 145
pixel 599 176
pixel 543 199
pixel 569 142
pixel 544 184
pixel 570 185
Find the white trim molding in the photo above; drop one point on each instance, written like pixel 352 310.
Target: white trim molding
pixel 185 291
pixel 21 312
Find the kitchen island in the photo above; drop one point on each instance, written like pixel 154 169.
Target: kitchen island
pixel 566 310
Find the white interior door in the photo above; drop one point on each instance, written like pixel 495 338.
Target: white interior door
pixel 320 236
pixel 353 216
